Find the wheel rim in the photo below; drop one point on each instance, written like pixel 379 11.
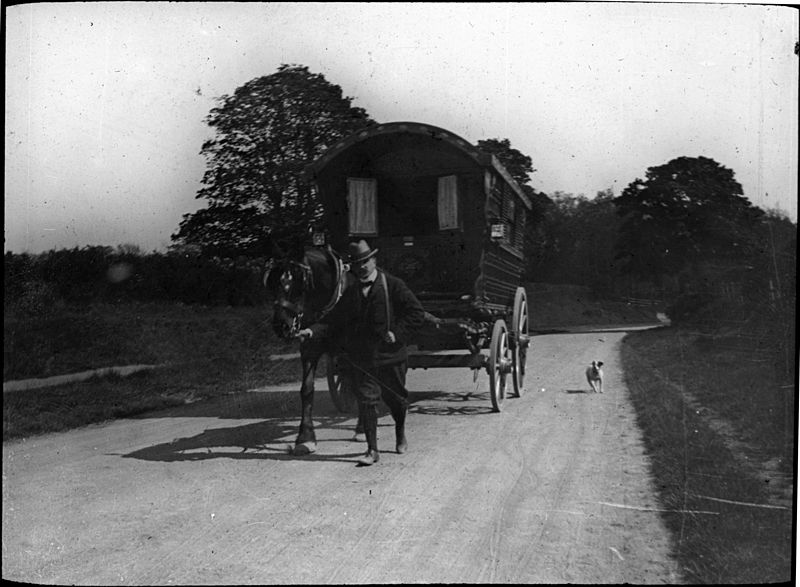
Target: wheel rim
pixel 521 340
pixel 499 359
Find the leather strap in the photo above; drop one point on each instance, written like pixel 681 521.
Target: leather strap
pixel 339 289
pixel 386 299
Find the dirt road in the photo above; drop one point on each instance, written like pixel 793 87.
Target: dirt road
pixel 554 489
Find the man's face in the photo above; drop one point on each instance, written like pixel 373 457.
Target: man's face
pixel 362 269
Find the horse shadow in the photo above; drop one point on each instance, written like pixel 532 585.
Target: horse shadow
pixel 577 391
pixel 273 437
pixel 261 441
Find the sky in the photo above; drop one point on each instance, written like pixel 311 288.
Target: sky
pixel 106 101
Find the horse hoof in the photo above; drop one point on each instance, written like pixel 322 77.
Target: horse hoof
pixel 305 448
pixel 402 446
pixel 359 437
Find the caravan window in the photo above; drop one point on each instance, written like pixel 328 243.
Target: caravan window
pixel 448 202
pixel 362 206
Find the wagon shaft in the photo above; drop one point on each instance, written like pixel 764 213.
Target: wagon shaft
pixel 417 360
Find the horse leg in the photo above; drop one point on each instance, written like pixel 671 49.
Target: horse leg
pixel 306 442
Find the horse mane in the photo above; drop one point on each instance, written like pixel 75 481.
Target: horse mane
pixel 318 262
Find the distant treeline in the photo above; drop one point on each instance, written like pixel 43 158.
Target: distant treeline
pixel 575 241
pixel 579 241
pixel 106 274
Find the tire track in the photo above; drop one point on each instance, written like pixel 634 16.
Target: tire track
pixel 553 503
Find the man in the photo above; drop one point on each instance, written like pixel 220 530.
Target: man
pixel 375 336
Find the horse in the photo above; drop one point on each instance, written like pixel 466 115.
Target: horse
pixel 305 290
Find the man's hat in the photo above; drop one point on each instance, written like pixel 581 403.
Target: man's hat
pixel 359 251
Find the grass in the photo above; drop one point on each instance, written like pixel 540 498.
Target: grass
pixel 207 352
pixel 79 338
pixel 719 431
pixel 569 305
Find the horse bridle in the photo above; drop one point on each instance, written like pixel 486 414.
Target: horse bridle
pixel 296 309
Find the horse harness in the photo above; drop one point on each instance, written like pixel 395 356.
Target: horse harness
pixel 287 281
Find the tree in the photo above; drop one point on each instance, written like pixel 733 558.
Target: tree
pixel 773 262
pixel 518 165
pixel 689 210
pixel 579 236
pixel 266 133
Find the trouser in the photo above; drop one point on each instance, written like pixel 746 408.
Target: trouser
pixel 387 382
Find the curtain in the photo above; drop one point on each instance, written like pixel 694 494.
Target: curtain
pixel 362 205
pixel 448 202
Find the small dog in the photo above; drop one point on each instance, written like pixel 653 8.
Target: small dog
pixel 594 375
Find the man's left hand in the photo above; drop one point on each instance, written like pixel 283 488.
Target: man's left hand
pixel 389 337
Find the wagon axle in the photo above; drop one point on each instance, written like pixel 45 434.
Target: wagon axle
pixel 504 367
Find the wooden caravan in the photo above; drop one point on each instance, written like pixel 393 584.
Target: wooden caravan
pixel 450 221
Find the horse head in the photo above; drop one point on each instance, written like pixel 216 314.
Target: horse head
pixel 287 280
pixel 304 288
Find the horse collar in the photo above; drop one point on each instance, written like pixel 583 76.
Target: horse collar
pixel 338 289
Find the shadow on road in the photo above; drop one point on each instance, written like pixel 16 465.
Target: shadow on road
pixel 450 404
pixel 272 404
pixel 260 440
pixel 272 438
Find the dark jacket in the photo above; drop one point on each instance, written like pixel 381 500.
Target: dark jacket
pixel 358 324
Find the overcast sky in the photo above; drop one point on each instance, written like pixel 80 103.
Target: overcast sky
pixel 105 102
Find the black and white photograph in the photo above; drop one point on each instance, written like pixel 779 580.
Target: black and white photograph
pixel 400 293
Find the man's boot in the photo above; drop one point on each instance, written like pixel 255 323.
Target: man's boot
pixel 400 430
pixel 372 455
pixel 359 435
